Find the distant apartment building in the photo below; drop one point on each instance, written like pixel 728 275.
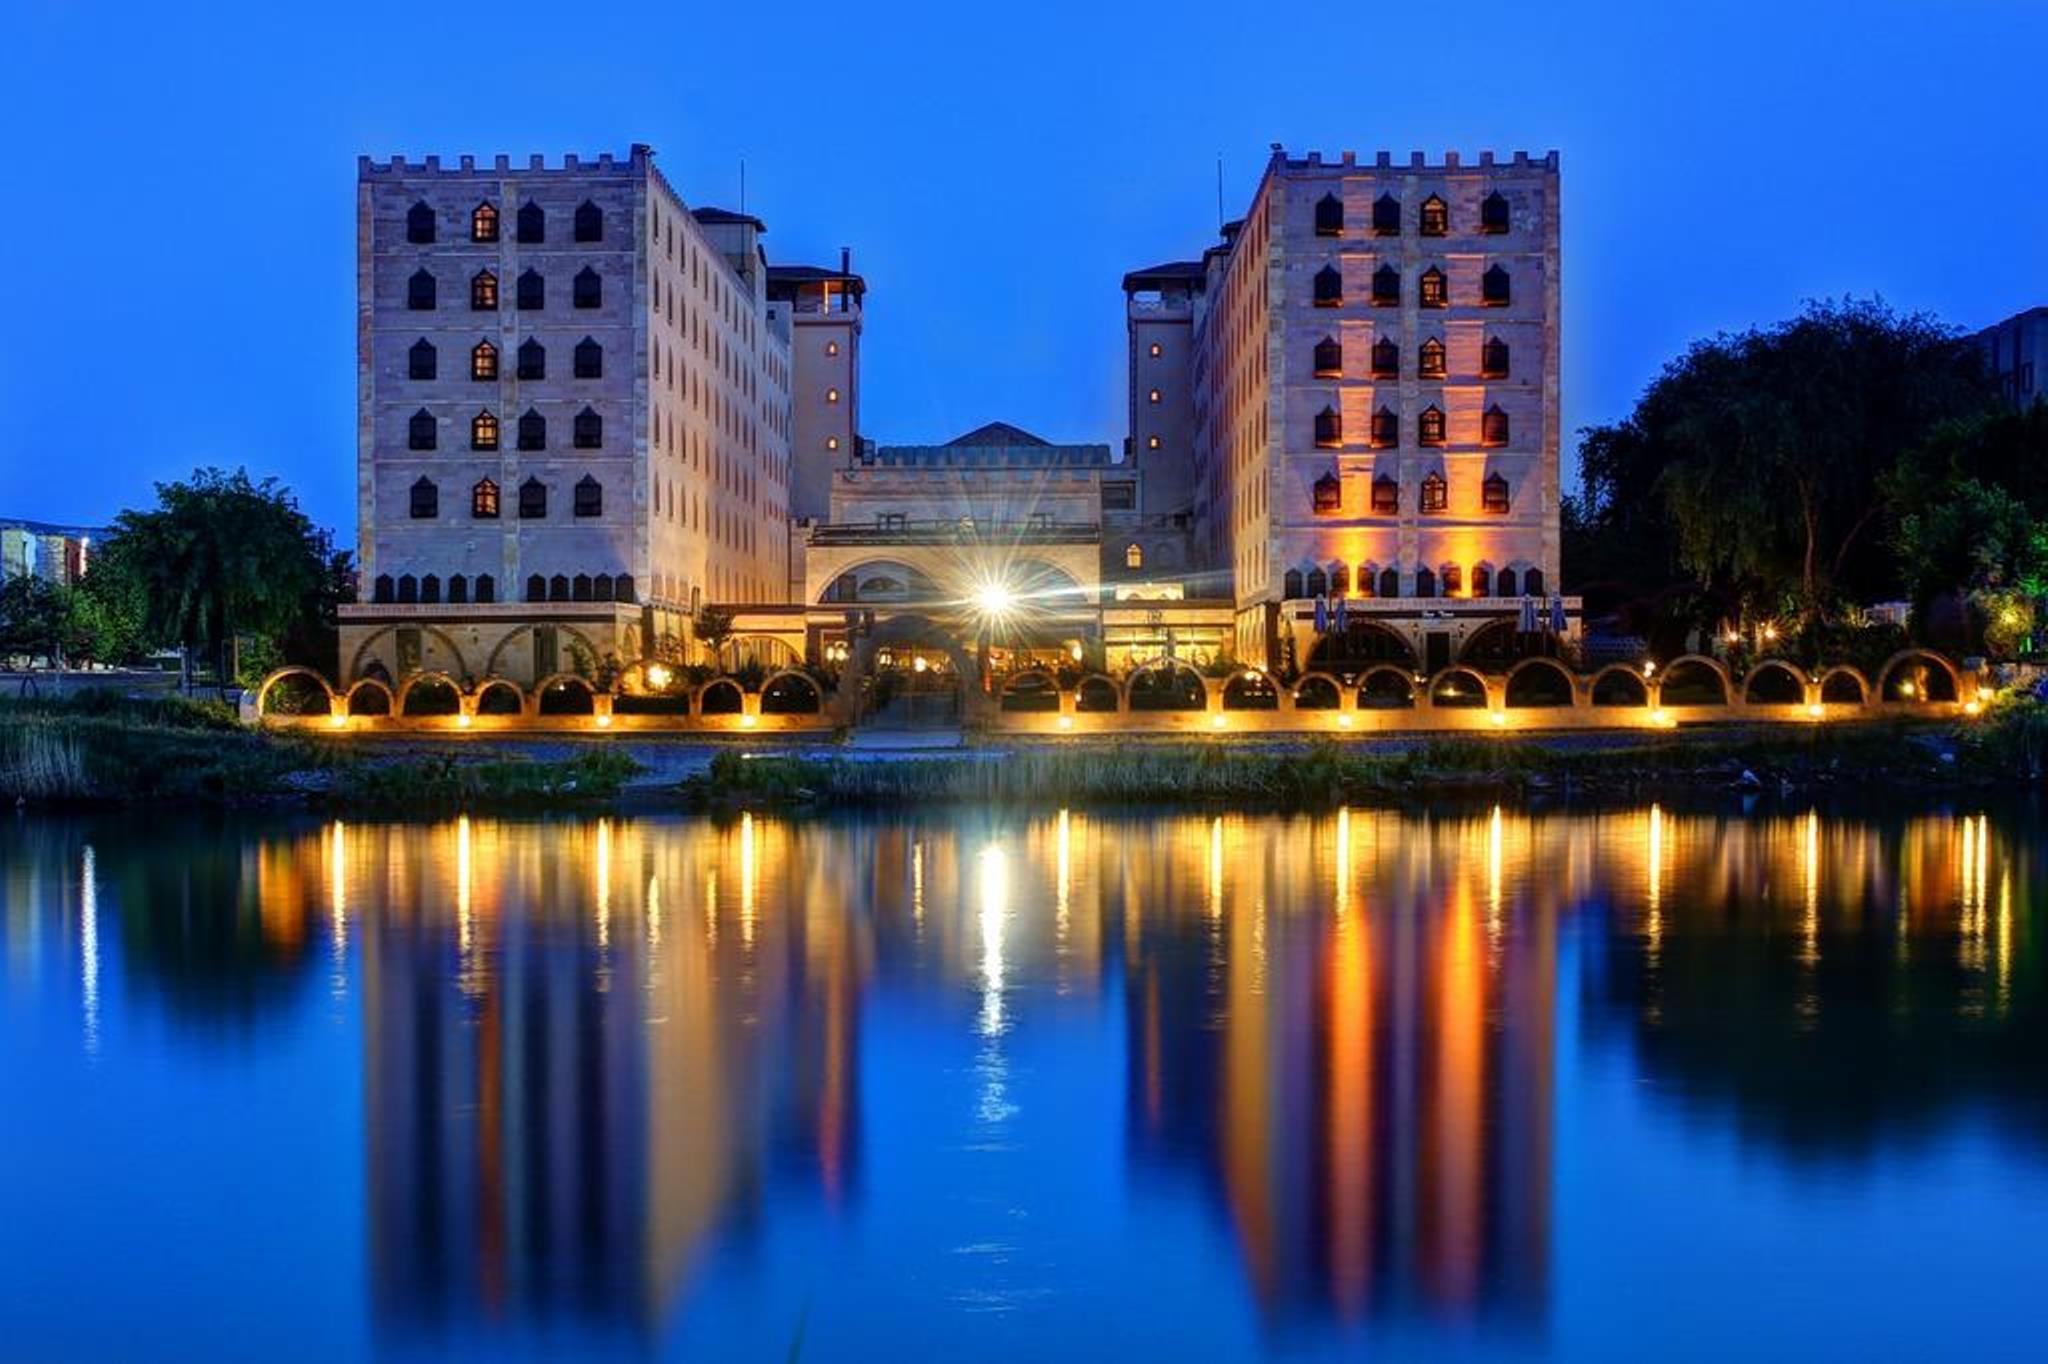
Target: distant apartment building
pixel 2016 351
pixel 1366 372
pixel 37 549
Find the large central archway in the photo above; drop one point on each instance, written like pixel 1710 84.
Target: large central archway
pixel 911 672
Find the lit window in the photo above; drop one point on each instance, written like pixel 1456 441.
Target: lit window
pixel 831 395
pixel 483 291
pixel 483 362
pixel 1493 494
pixel 483 223
pixel 483 432
pixel 1152 442
pixel 831 348
pixel 1430 364
pixel 1436 217
pixel 1157 350
pixel 1153 396
pixel 1134 556
pixel 1436 290
pixel 831 442
pixel 1434 493
pixel 1429 427
pixel 483 500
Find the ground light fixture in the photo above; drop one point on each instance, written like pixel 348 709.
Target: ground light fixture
pixel 658 675
pixel 1499 718
pixel 1972 706
pixel 337 721
pixel 465 720
pixel 604 722
pixel 1216 721
pixel 749 721
pixel 1066 722
pixel 1814 709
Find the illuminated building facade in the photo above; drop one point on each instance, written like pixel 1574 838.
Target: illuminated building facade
pixel 35 549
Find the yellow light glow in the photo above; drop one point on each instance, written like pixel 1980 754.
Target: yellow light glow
pixel 1770 632
pixel 918 664
pixel 1344 722
pixel 658 675
pixel 1649 667
pixel 1499 718
pixel 1905 688
pixel 1074 652
pixel 604 721
pixel 465 720
pixel 337 721
pixel 994 599
pixel 1661 716
pixel 749 721
pixel 1216 721
pixel 1972 706
pixel 1066 722
pixel 1815 710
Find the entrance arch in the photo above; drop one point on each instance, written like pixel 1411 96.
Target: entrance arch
pixel 867 694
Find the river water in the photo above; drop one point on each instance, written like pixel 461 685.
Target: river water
pixel 1483 1083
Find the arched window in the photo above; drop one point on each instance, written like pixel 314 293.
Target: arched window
pixel 1493 359
pixel 589 359
pixel 430 589
pixel 1340 579
pixel 536 587
pixel 580 587
pixel 1493 494
pixel 408 589
pixel 558 587
pixel 1386 216
pixel 421 431
pixel 419 224
pixel 1493 426
pixel 483 432
pixel 1390 582
pixel 1328 495
pixel 532 290
pixel 1329 216
pixel 533 359
pixel 601 587
pixel 622 587
pixel 1436 217
pixel 483 362
pixel 1434 492
pixel 1386 428
pixel 1509 585
pixel 1386 358
pixel 1429 364
pixel 486 588
pixel 1329 287
pixel 1329 428
pixel 1386 495
pixel 483 500
pixel 426 499
pixel 1316 584
pixel 1134 556
pixel 1290 584
pixel 1452 579
pixel 533 430
pixel 1429 427
pixel 483 291
pixel 419 291
pixel 1493 213
pixel 1482 580
pixel 483 222
pixel 589 222
pixel 533 500
pixel 589 497
pixel 587 290
pixel 1532 582
pixel 458 588
pixel 1386 287
pixel 1329 358
pixel 1435 290
pixel 422 361
pixel 382 592
pixel 533 224
pixel 1368 578
pixel 1425 583
pixel 1494 291
pixel 589 432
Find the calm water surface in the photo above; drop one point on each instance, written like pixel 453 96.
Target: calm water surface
pixel 1491 1084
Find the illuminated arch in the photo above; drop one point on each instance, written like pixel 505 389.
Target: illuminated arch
pixel 1098 695
pixel 278 675
pixel 1843 685
pixel 1774 682
pixel 430 678
pixel 719 696
pixel 1250 689
pixel 1539 682
pixel 1030 690
pixel 1930 677
pixel 492 693
pixel 378 691
pixel 790 692
pixel 551 695
pixel 1458 688
pixel 1318 691
pixel 1618 684
pixel 1694 680
pixel 1387 689
pixel 1165 684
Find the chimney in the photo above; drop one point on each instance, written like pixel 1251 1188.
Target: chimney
pixel 845 260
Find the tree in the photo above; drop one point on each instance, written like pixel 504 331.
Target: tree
pixel 713 627
pixel 35 618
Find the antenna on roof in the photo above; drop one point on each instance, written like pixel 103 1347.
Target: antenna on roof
pixel 743 184
pixel 1219 191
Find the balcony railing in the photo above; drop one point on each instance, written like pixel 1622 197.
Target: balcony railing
pixel 957 531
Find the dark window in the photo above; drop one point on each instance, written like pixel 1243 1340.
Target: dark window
pixel 589 497
pixel 458 588
pixel 430 589
pixel 486 588
pixel 533 500
pixel 1329 216
pixel 1386 287
pixel 1436 217
pixel 421 433
pixel 483 362
pixel 1493 213
pixel 1493 287
pixel 408 588
pixel 601 587
pixel 533 359
pixel 1329 427
pixel 1340 579
pixel 589 431
pixel 1425 583
pixel 1430 362
pixel 1386 358
pixel 419 291
pixel 1317 583
pixel 1482 580
pixel 1433 492
pixel 1493 359
pixel 533 224
pixel 1329 359
pixel 588 290
pixel 483 291
pixel 536 587
pixel 1429 427
pixel 589 222
pixel 426 500
pixel 1493 494
pixel 1386 216
pixel 483 432
pixel 533 430
pixel 383 592
pixel 532 290
pixel 1510 586
pixel 1290 583
pixel 558 587
pixel 1435 291
pixel 1329 287
pixel 1390 582
pixel 483 500
pixel 1386 497
pixel 1386 428
pixel 1493 427
pixel 589 359
pixel 1453 579
pixel 622 587
pixel 1328 496
pixel 422 360
pixel 483 223
pixel 419 224
pixel 1532 582
pixel 580 587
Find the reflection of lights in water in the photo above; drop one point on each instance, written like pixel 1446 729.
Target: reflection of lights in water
pixel 337 901
pixel 1493 848
pixel 711 908
pixel 995 911
pixel 602 893
pixel 463 929
pixel 1343 860
pixel 1064 863
pixel 1653 928
pixel 653 912
pixel 89 946
pixel 917 885
pixel 1216 867
pixel 1810 859
pixel 747 880
pixel 2004 938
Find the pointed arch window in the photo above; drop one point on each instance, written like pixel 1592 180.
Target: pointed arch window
pixel 532 226
pixel 1329 428
pixel 1429 361
pixel 1493 495
pixel 1509 585
pixel 533 430
pixel 1493 213
pixel 1493 426
pixel 1386 428
pixel 1290 584
pixel 536 587
pixel 1435 493
pixel 1436 217
pixel 558 587
pixel 1340 579
pixel 1386 498
pixel 1317 583
pixel 384 591
pixel 588 289
pixel 589 359
pixel 1329 216
pixel 419 224
pixel 589 497
pixel 483 362
pixel 1390 581
pixel 1329 359
pixel 1386 216
pixel 483 292
pixel 425 499
pixel 1368 578
pixel 601 587
pixel 483 222
pixel 589 222
pixel 1386 287
pixel 1329 287
pixel 589 430
pixel 458 588
pixel 1494 290
pixel 1327 498
pixel 1429 427
pixel 483 432
pixel 483 500
pixel 1435 289
pixel 1386 358
pixel 531 292
pixel 430 589
pixel 419 291
pixel 533 359
pixel 1452 579
pixel 422 431
pixel 1482 579
pixel 486 588
pixel 1425 583
pixel 408 589
pixel 1134 556
pixel 622 587
pixel 422 361
pixel 533 500
pixel 1532 582
pixel 1493 359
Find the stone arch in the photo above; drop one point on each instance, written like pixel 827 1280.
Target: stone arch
pixel 790 692
pixel 719 696
pixel 1041 582
pixel 1318 691
pixel 435 678
pixel 1362 643
pixel 1030 690
pixel 278 675
pixel 492 693
pixel 1618 684
pixel 561 685
pixel 355 663
pixel 1249 689
pixel 1918 676
pixel 1698 680
pixel 1458 688
pixel 385 699
pixel 1097 695
pixel 1387 689
pixel 1165 684
pixel 519 632
pixel 771 652
pixel 910 584
pixel 1843 685
pixel 909 630
pixel 1539 682
pixel 1774 682
pixel 1494 647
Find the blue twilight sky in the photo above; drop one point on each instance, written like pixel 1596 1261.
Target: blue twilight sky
pixel 182 220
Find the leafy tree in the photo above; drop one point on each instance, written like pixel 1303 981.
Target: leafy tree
pixel 35 617
pixel 713 627
pixel 109 611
